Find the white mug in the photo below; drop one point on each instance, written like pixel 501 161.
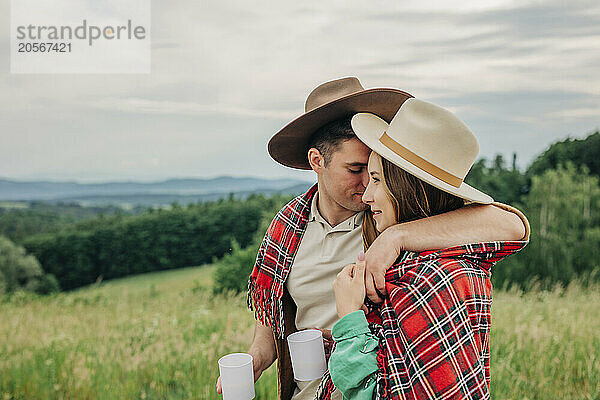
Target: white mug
pixel 307 354
pixel 237 376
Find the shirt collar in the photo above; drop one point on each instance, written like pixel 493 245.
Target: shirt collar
pixel 347 225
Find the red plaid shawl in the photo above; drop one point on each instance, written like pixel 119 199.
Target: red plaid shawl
pixel 274 260
pixel 434 325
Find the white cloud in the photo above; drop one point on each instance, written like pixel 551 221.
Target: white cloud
pixel 147 106
pixel 579 113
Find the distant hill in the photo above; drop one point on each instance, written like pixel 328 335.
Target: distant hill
pixel 149 200
pixel 155 193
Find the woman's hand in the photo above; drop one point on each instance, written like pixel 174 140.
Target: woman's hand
pixel 349 287
pixel 380 256
pixel 327 342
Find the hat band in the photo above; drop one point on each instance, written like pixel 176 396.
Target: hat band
pixel 419 162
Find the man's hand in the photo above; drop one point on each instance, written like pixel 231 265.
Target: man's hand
pixel 257 373
pixel 382 253
pixel 262 351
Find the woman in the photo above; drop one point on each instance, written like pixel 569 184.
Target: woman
pixel 430 337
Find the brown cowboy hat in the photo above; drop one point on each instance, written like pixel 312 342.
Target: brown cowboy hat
pixel 326 103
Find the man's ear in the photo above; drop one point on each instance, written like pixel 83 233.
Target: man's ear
pixel 316 160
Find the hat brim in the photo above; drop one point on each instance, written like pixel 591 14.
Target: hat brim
pixel 289 146
pixel 369 128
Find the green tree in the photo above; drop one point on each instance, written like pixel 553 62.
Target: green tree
pixel 577 151
pixel 506 185
pixel 109 247
pixel 563 207
pixel 39 217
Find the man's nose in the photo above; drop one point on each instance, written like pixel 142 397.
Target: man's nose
pixel 365 179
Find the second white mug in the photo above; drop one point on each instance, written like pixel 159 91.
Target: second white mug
pixel 307 354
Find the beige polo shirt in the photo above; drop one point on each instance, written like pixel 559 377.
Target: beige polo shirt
pixel 322 254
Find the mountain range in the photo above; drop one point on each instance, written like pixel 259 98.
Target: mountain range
pixel 153 193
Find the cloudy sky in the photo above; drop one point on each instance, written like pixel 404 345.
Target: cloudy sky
pixel 227 75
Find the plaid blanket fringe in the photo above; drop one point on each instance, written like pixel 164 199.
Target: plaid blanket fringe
pixel 267 308
pixel 274 261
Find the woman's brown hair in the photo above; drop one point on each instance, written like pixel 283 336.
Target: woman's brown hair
pixel 411 198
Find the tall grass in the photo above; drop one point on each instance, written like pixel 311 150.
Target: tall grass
pixel 159 336
pixel 546 344
pixel 151 337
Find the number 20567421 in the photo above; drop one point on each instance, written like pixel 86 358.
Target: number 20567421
pixel 44 47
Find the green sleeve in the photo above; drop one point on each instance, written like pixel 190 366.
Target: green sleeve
pixel 353 363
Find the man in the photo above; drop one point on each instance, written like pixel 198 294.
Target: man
pixel 313 237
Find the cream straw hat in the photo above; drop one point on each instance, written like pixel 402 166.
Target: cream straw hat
pixel 426 141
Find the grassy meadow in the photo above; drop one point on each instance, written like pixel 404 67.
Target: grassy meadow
pixel 159 336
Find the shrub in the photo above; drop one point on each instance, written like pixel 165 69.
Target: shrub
pixel 19 270
pixel 47 284
pixel 234 269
